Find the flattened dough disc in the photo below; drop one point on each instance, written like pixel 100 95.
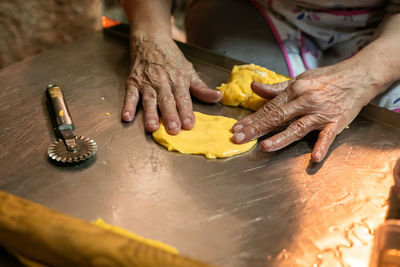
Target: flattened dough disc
pixel 211 136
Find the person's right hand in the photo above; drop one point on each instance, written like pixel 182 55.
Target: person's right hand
pixel 163 76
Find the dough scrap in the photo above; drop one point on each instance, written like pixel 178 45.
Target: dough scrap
pixel 237 91
pixel 210 136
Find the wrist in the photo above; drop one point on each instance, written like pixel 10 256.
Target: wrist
pixel 148 46
pixel 379 67
pixel 140 40
pixel 148 18
pixel 359 77
pixel 151 30
pixel 159 36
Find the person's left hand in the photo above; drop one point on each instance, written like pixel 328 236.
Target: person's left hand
pixel 325 99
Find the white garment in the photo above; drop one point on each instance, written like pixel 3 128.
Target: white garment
pixel 325 34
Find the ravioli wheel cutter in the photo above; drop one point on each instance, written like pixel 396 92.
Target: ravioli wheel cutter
pixel 70 148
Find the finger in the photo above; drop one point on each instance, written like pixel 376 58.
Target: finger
pixel 278 101
pixel 184 104
pixel 202 92
pixel 325 139
pixel 294 132
pixel 130 102
pixel 270 120
pixel 149 102
pixel 167 106
pixel 269 91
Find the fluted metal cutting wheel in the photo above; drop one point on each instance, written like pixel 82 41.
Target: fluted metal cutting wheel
pixel 86 148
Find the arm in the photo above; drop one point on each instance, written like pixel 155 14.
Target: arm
pixel 382 55
pixel 150 17
pixel 325 99
pixel 159 70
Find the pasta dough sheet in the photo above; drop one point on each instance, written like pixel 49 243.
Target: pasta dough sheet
pixel 211 136
pixel 237 91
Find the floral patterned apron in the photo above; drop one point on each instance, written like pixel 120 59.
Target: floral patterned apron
pixel 311 38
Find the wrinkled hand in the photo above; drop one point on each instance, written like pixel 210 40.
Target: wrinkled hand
pixel 162 75
pixel 325 99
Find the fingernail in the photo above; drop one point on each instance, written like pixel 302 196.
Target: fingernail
pixel 318 155
pixel 267 145
pixel 237 127
pixel 187 121
pixel 239 137
pixel 172 125
pixel 127 114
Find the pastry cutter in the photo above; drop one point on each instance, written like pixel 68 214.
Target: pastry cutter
pixel 70 148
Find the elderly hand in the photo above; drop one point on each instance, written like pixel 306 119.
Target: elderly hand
pixel 160 72
pixel 325 99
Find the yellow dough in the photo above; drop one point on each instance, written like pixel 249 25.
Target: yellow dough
pixel 237 91
pixel 210 136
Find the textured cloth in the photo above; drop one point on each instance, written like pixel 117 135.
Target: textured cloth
pixel 29 27
pixel 313 34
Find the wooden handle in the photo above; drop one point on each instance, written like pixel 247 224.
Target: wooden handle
pixel 60 108
pixel 56 239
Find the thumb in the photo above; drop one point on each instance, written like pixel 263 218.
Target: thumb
pixel 269 90
pixel 202 92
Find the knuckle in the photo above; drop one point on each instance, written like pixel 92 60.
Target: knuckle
pixel 150 97
pixel 267 108
pixel 275 103
pixel 132 81
pixel 254 130
pixel 164 100
pixel 180 74
pixel 159 79
pixel 330 133
pixel 257 129
pixel 292 90
pixel 155 76
pixel 277 116
pixel 196 76
pixel 155 70
pixel 301 83
pixel 298 128
pixel 298 87
pixel 189 65
pixel 283 85
pixel 132 93
pixel 181 81
pixel 182 96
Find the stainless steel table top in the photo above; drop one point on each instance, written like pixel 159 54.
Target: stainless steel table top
pixel 255 209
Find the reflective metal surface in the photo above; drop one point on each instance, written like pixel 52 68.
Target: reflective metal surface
pixel 255 209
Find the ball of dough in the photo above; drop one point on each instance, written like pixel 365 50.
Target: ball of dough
pixel 237 91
